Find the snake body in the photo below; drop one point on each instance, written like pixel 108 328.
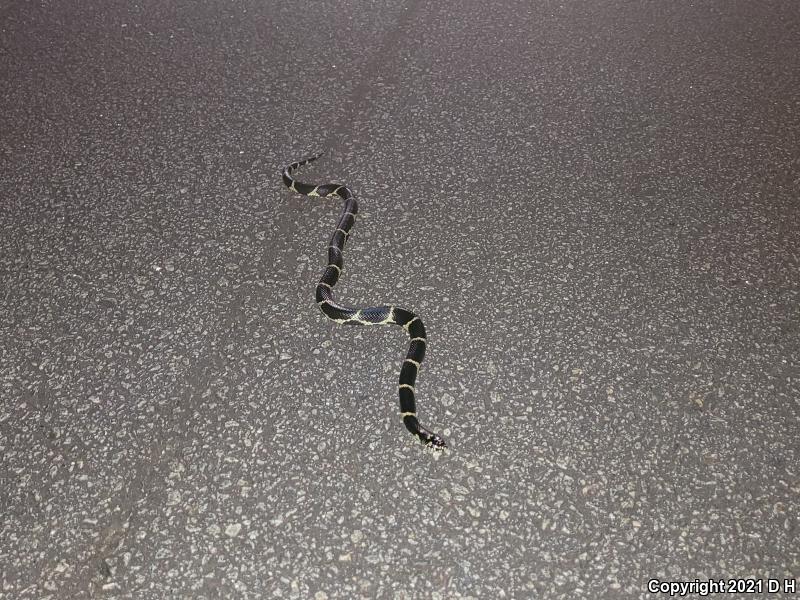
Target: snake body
pixel 372 315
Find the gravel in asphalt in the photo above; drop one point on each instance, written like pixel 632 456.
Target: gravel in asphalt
pixel 593 206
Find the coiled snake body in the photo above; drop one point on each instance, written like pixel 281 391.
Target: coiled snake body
pixel 372 315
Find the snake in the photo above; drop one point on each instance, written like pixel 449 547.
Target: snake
pixel 370 315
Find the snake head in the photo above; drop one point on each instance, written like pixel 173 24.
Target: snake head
pixel 433 440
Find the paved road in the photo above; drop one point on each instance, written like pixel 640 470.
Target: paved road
pixel 594 206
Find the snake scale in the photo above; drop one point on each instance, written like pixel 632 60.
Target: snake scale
pixel 372 315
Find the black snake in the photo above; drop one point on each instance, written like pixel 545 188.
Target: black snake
pixel 372 315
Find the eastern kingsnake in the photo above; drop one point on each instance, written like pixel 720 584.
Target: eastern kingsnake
pixel 372 315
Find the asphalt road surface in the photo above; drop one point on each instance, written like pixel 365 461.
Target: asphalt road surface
pixel 593 205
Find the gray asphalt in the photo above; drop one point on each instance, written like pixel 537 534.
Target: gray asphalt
pixel 594 207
